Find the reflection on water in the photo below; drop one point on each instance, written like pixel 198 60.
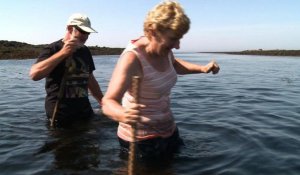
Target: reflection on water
pixel 75 148
pixel 243 121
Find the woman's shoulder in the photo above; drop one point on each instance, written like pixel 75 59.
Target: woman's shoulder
pixel 134 48
pixel 140 43
pixel 129 60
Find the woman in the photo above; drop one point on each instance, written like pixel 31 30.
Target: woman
pixel 151 58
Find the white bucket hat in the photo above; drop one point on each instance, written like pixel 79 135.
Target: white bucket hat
pixel 81 21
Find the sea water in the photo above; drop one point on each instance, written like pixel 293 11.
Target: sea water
pixel 244 120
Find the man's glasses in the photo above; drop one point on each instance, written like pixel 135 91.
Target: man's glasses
pixel 81 31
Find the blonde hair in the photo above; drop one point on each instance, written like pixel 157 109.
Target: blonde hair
pixel 167 16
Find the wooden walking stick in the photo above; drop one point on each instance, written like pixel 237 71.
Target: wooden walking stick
pixel 131 159
pixel 62 85
pixel 60 95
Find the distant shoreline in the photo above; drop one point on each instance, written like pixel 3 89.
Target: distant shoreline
pixel 262 52
pixel 18 50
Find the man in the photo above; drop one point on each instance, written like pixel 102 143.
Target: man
pixel 68 67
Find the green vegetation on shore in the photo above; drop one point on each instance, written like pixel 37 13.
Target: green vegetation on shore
pixel 264 52
pixel 19 50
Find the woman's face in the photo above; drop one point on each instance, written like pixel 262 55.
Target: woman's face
pixel 163 43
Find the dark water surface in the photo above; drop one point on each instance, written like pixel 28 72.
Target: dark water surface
pixel 246 120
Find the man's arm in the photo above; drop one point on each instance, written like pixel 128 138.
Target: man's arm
pixel 95 89
pixel 43 68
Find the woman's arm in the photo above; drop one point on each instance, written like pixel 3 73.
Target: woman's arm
pixel 184 67
pixel 120 82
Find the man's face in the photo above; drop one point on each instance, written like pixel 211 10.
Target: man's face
pixel 81 35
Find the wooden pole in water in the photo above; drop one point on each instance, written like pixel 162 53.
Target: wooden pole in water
pixel 131 158
pixel 62 85
pixel 59 96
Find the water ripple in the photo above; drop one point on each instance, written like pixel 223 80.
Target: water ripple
pixel 243 121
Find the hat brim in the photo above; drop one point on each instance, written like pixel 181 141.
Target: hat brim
pixel 87 29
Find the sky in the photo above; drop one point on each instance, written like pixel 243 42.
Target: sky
pixel 216 25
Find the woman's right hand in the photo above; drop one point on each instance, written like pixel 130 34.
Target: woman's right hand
pixel 132 114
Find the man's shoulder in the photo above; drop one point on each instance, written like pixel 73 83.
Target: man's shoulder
pixel 56 44
pixel 50 49
pixel 84 47
pixel 84 50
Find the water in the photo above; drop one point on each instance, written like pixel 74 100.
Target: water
pixel 242 121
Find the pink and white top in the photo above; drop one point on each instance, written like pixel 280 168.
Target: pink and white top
pixel 156 119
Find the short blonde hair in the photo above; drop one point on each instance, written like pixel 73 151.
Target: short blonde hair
pixel 167 16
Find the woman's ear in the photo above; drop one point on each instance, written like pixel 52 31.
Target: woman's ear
pixel 153 33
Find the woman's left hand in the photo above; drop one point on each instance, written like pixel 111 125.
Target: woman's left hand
pixel 212 67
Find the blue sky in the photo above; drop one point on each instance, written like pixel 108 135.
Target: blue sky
pixel 217 25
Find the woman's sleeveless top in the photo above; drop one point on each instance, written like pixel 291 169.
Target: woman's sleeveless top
pixel 155 87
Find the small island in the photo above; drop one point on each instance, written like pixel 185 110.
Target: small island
pixel 20 50
pixel 263 52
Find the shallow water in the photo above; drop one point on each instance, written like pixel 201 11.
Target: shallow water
pixel 244 120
